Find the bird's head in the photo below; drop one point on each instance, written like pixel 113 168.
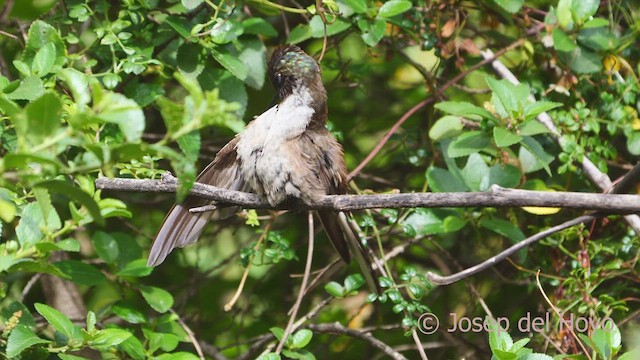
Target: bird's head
pixel 291 70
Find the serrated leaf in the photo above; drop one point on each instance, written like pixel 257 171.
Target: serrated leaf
pixel 231 63
pixel 160 300
pixel 44 60
pixel 393 8
pixel 30 88
pixel 504 137
pixel 59 321
pixel 21 338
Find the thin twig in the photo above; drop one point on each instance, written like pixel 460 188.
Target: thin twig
pixel 303 286
pixel 228 306
pixel 338 329
pixel 555 310
pixel 190 334
pixel 446 280
pixel 416 339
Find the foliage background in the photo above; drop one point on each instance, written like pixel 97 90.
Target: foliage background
pixel 128 88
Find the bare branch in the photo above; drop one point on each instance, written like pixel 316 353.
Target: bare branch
pixel 338 329
pixel 446 280
pixel 496 196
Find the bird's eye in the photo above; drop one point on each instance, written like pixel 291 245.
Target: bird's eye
pixel 278 79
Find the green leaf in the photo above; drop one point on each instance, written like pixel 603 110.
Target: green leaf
pixel 277 332
pixel 188 58
pixel 476 173
pixel 30 88
pixel 504 91
pixel 532 127
pixel 562 41
pixel 299 34
pixel 160 300
pixel 231 63
pixel 43 117
pixel 317 27
pixel 118 109
pixel 446 127
pixel 358 6
pixel 226 31
pixel 21 338
pixel 595 23
pixel 468 143
pixel 464 109
pixel 441 180
pixel 136 268
pixel 258 26
pixel 129 314
pixel 106 247
pixel 563 12
pixel 111 80
pixel 78 84
pixel 504 137
pixel 534 109
pixel 301 338
pixel 353 282
pixel 504 228
pixel 191 4
pixel 108 338
pixel 534 150
pixel 44 60
pixel 178 356
pixel 253 55
pixel 40 35
pixel 372 30
pixel 180 25
pixel 510 6
pixel 81 273
pixel 59 321
pixel 504 175
pixel 599 39
pixel 582 10
pixel 74 193
pixel 29 228
pixel 393 8
pixel 582 60
pixel 269 356
pixel 134 348
pixel 633 143
pixel 6 261
pixel 334 289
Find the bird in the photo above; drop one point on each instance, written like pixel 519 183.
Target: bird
pixel 285 155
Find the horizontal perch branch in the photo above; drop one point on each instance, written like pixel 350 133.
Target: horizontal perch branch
pixel 496 196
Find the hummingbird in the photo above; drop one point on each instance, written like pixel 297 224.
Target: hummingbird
pixel 285 155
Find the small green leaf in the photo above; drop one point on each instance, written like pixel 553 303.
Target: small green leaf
pixel 269 356
pixel 504 228
pixel 111 80
pixel 78 84
pixel 335 289
pixel 106 246
pixel 393 8
pixel 353 282
pixel 582 60
pixel 510 6
pixel 108 338
pixel 633 143
pixel 59 321
pixel 118 109
pixel 129 314
pixel 301 338
pixel 385 282
pixel 468 143
pixel 258 26
pixel 504 137
pixel 30 88
pixel 464 109
pixel 180 25
pixel 43 117
pixel 191 4
pixel 136 268
pixel 29 228
pixel 318 28
pixel 441 180
pixel 231 63
pixel 372 31
pixel 532 127
pixel 21 338
pixel 299 34
pixel 44 60
pixel 562 41
pixel 358 6
pixel 446 127
pixel 582 10
pixel 160 300
pixel 535 149
pixel 80 272
pixel 538 107
pixel 563 12
pixel 277 332
pixel 504 91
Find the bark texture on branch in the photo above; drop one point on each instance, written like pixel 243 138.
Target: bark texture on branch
pixel 496 196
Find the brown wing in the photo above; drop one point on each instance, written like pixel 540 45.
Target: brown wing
pixel 180 227
pixel 325 155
